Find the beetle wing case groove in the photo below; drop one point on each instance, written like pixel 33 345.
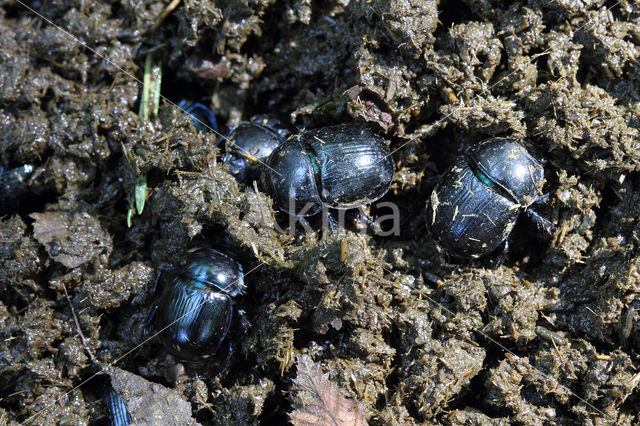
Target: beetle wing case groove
pixel 351 171
pixel 463 223
pixel 195 310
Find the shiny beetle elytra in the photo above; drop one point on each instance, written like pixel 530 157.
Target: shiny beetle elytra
pixel 476 202
pixel 116 407
pixel 340 167
pixel 195 309
pixel 250 144
pixel 203 118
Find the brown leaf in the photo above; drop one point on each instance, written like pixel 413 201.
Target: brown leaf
pixel 319 402
pixel 49 226
pixel 370 106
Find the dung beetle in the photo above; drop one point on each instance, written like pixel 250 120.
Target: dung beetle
pixel 342 167
pixel 273 123
pixel 203 118
pixel 476 202
pixel 250 144
pixel 195 309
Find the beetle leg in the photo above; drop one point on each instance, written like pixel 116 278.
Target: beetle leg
pixel 367 220
pixel 168 269
pixel 542 199
pixel 151 316
pixel 543 224
pixel 333 226
pixel 222 366
pixel 500 255
pixel 227 359
pixel 244 322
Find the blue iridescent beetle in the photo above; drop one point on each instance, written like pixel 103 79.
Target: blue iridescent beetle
pixel 340 167
pixel 203 118
pixel 195 309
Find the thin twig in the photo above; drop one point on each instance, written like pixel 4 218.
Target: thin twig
pixel 75 318
pixel 166 12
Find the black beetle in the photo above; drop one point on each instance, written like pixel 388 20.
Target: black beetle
pixel 250 144
pixel 476 202
pixel 341 167
pixel 203 118
pixel 194 312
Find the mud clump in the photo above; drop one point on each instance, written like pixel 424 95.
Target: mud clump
pixel 550 335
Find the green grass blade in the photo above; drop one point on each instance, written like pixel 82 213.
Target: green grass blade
pixel 140 193
pixel 148 110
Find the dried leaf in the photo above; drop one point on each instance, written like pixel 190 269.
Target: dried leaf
pixel 49 226
pixel 319 402
pixel 371 106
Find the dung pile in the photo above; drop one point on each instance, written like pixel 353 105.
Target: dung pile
pixel 550 335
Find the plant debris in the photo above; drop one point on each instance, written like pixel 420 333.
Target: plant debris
pixel 317 401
